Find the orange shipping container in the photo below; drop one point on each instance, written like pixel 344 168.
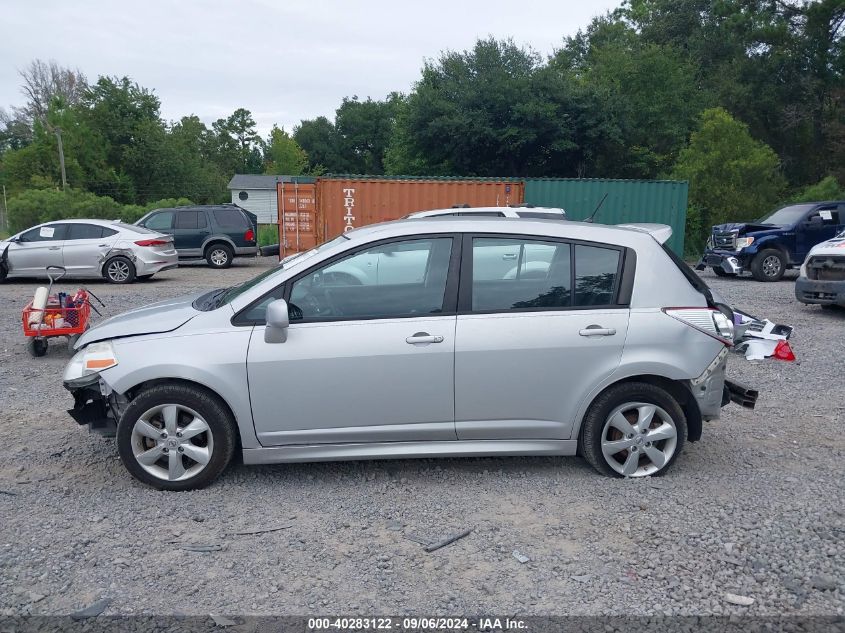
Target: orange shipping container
pixel 298 225
pixel 347 203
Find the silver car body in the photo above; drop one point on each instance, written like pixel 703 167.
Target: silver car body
pixel 78 246
pixel 457 383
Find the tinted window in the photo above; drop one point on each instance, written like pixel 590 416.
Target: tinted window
pixel 829 215
pixel 160 221
pixel 84 232
pixel 399 279
pixel 595 275
pixel 107 232
pixel 47 233
pixel 512 274
pixel 230 219
pixel 190 220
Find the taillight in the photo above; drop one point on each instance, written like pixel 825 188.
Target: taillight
pixel 152 242
pixel 249 236
pixel 708 320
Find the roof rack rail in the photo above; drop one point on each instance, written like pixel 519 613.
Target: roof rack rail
pixel 522 205
pixel 460 206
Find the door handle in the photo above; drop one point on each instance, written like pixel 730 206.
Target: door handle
pixel 509 256
pixel 102 245
pixel 597 330
pixel 54 248
pixel 423 338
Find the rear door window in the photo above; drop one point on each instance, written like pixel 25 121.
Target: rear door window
pixel 190 220
pixel 84 232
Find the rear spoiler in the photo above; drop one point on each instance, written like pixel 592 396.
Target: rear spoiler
pixel 660 232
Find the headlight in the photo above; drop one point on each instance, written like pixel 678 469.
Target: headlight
pixel 742 242
pixel 93 359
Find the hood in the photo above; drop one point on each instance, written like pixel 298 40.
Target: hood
pixel 164 316
pixel 835 246
pixel 744 228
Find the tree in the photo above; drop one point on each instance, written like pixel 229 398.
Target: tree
pixel 647 93
pixel 363 132
pixel 319 139
pixel 732 176
pixel 491 111
pixel 282 154
pixel 239 145
pixel 45 81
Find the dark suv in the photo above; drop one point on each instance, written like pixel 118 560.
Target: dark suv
pixel 215 232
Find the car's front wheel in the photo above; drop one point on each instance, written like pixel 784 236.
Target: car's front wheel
pixel 176 437
pixel 768 265
pixel 633 429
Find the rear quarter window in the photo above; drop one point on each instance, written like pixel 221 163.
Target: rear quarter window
pixel 230 219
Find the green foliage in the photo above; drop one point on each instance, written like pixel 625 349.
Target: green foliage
pixel 732 176
pixel 283 155
pixel 268 234
pixel 828 188
pixel 35 206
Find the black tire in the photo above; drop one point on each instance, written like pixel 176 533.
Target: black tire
pixel 119 270
pixel 219 255
pixel 593 427
pixel 768 265
pixel 720 272
pixel 3 273
pixel 207 405
pixel 37 346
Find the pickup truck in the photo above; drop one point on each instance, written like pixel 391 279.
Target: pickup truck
pixel 768 247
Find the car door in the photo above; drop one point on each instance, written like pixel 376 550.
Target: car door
pixel 527 348
pixel 85 248
pixel 363 361
pixel 821 224
pixel 190 229
pixel 36 249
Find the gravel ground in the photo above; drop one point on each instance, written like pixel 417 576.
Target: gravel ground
pixel 755 509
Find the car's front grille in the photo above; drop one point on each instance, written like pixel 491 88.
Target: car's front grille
pixel 826 268
pixel 726 241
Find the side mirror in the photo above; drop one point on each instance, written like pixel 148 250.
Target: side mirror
pixel 276 330
pixel 814 220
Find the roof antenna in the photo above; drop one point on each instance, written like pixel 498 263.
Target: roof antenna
pixel 593 214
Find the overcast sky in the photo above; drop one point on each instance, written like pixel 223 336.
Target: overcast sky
pixel 284 61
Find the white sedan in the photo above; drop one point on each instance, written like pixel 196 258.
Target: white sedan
pixel 89 249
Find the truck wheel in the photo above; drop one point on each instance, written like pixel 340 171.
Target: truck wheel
pixel 219 256
pixel 720 272
pixel 768 265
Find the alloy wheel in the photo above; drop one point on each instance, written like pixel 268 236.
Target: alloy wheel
pixel 219 257
pixel 172 442
pixel 771 266
pixel 638 439
pixel 118 271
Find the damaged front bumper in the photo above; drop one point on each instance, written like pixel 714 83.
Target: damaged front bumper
pixel 95 404
pixel 727 261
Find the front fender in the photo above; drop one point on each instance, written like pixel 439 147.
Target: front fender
pixel 154 358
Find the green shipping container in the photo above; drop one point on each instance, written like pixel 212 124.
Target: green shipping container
pixel 658 201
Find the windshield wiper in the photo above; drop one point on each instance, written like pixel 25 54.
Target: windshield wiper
pixel 212 300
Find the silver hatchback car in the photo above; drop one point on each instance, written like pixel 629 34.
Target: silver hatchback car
pixel 420 338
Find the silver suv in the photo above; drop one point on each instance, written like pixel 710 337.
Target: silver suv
pixel 449 337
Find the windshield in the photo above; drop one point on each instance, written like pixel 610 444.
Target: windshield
pixel 227 295
pixel 786 215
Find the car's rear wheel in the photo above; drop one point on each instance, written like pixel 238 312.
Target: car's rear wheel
pixel 768 265
pixel 176 437
pixel 720 272
pixel 119 270
pixel 633 430
pixel 219 255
